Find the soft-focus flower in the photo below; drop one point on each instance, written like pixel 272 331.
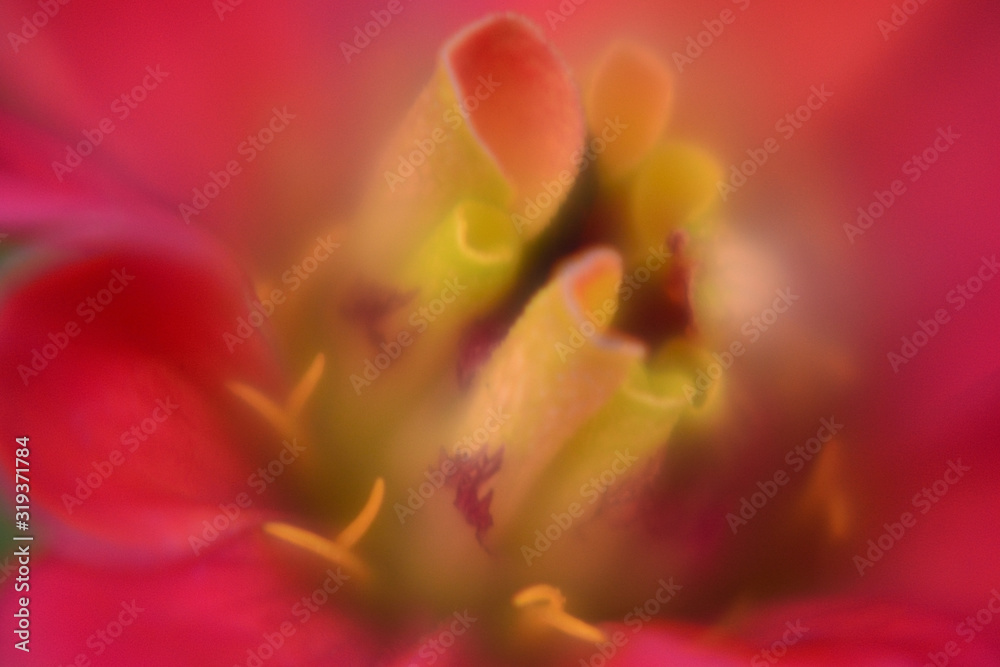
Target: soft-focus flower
pixel 604 339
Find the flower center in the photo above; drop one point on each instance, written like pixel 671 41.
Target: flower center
pixel 518 356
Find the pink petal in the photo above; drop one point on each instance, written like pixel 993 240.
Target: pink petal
pixel 221 609
pixel 842 630
pixel 141 373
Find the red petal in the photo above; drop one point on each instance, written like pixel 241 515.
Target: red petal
pixel 840 631
pixel 134 438
pixel 218 610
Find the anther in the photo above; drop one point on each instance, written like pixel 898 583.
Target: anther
pixel 338 550
pixel 547 605
pixel 285 419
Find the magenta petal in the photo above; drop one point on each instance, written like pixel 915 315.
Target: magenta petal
pixel 461 650
pixel 843 631
pixel 820 631
pixel 134 438
pixel 949 554
pixel 664 644
pixel 219 76
pixel 218 610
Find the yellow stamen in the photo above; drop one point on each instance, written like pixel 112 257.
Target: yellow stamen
pixel 284 419
pixel 320 546
pixel 306 386
pixel 824 494
pixel 339 550
pixel 273 413
pixel 357 528
pixel 547 604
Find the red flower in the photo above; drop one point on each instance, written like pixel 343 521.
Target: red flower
pixel 699 466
